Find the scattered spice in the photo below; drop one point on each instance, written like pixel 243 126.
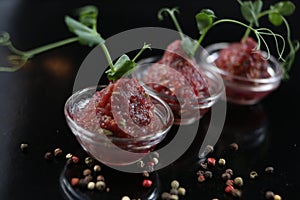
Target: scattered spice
pixel 181 191
pixel 89 161
pixel 211 161
pixel 229 188
pixel 165 196
pixel 236 193
pixel 269 195
pixel 229 171
pixel 238 181
pixel 57 152
pixel 75 159
pixel 269 170
pixel 48 156
pixel 87 172
pixel 226 176
pixel 91 185
pixel 222 161
pixel 97 168
pixel 69 155
pixel 234 146
pixel 125 198
pixel 174 191
pixel 174 184
pixel 203 165
pixel 155 161
pixel 75 181
pixel 145 174
pixel 229 182
pixel 140 164
pixel 208 174
pixel 147 183
pixel 100 185
pixel 24 147
pixel 201 178
pixel 277 197
pixel 253 174
pixel 100 178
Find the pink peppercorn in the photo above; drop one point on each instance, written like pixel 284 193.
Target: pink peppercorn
pixel 147 183
pixel 211 161
pixel 75 159
pixel 74 181
pixel 229 188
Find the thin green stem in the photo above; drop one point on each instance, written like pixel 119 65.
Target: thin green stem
pixel 107 55
pixel 247 32
pixel 50 46
pixel 146 46
pixel 177 26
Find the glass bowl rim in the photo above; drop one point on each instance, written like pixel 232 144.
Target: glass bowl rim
pixel 87 134
pixel 218 46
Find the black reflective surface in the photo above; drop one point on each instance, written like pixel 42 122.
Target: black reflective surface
pixel 32 100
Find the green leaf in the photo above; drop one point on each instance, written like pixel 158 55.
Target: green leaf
pixel 121 67
pixel 275 19
pixel 257 6
pixel 188 46
pixel 204 19
pixel 249 12
pixel 86 35
pixel 284 8
pixel 88 15
pixel 75 25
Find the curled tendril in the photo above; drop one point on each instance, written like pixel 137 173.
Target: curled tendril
pixel 17 59
pixel 4 38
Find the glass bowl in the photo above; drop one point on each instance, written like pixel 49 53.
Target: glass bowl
pixel 109 149
pixel 242 90
pixel 186 109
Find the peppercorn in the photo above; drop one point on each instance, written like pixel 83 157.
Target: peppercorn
pixel 226 176
pixel 229 188
pixel 200 172
pixel 145 173
pixel 74 181
pixel 269 195
pixel 208 174
pixel 166 196
pixel 234 146
pixel 24 147
pixel 229 171
pixel 147 183
pixel 238 181
pixel 201 178
pixel 68 156
pixel 107 189
pixel 87 172
pixel 253 174
pixel 203 165
pixel 175 184
pixel 48 156
pixel 57 152
pixel 97 168
pixel 100 178
pixel 89 161
pixel 125 198
pixel 174 191
pixel 277 197
pixel 211 161
pixel 174 197
pixel 222 161
pixel 88 178
pixel 269 170
pixel 100 185
pixel 83 183
pixel 181 191
pixel 75 159
pixel 91 186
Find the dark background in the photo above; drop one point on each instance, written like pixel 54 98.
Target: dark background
pixel 32 100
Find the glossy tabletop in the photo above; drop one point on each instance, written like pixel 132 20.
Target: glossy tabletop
pixel 32 101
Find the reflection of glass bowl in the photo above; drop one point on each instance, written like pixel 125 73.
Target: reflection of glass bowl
pixel 242 90
pixel 114 150
pixel 186 110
